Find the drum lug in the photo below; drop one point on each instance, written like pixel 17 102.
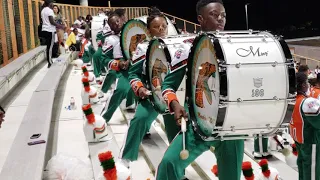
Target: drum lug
pixel 255 136
pixel 275 64
pixel 229 39
pixel 238 65
pixel 239 100
pixel 276 98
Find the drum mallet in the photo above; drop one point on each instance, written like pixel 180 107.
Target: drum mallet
pixel 184 154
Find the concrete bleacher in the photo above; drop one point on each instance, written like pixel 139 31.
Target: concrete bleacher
pixel 24 161
pixel 13 73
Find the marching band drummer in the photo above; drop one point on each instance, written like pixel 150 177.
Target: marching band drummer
pixel 113 60
pixel 229 154
pixel 145 113
pixel 87 49
pixel 112 75
pixel 97 57
pixel 305 130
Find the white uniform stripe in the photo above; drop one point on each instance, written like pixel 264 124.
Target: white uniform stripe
pixel 260 144
pixel 124 142
pixel 313 161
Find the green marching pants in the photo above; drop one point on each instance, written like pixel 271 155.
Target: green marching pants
pixel 261 145
pixel 109 80
pixel 140 124
pixel 97 62
pixel 229 156
pixel 130 99
pixel 120 93
pixel 308 161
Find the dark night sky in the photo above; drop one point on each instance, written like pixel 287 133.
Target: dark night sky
pixel 290 18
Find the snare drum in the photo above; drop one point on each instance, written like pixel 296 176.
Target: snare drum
pixel 238 84
pixel 133 32
pixel 162 53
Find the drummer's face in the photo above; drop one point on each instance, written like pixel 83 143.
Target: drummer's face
pixel 115 23
pixel 212 17
pixel 158 27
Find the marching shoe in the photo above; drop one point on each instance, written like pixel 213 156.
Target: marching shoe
pixel 147 135
pixel 265 155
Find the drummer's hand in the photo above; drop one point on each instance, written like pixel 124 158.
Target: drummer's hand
pixel 124 65
pixel 143 92
pixel 179 111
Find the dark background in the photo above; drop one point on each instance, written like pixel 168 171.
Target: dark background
pixel 290 18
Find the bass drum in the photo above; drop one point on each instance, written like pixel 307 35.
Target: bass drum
pixel 161 54
pixel 239 84
pixel 172 31
pixel 132 33
pixel 96 26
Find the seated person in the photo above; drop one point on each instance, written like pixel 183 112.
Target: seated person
pixel 79 21
pixel 72 41
pixel 87 49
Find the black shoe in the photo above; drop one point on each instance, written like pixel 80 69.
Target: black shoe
pixel 147 135
pixel 49 65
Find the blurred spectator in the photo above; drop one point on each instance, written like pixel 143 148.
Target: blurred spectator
pixel 49 28
pixel 2 115
pixel 72 42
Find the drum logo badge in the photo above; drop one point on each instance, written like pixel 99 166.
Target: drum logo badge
pixel 207 70
pixel 257 82
pixel 178 54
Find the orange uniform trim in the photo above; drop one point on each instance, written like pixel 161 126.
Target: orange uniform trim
pixel 136 85
pixel 82 47
pixel 170 96
pixel 114 65
pixel 297 122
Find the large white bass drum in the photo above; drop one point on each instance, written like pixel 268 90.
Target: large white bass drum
pixel 239 84
pixel 96 26
pixel 172 31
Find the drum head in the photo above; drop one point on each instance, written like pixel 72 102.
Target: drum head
pixel 156 70
pixel 133 33
pixel 203 85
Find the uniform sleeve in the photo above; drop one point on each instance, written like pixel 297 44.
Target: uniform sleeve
pixel 111 49
pixel 172 81
pixel 99 38
pixel 136 69
pixel 311 110
pixel 171 84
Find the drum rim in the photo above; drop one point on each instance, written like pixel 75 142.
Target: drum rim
pixel 121 37
pixel 188 97
pixel 166 51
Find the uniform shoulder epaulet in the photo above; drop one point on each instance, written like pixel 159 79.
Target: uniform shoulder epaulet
pixel 179 56
pixel 311 106
pixel 110 42
pixel 140 52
